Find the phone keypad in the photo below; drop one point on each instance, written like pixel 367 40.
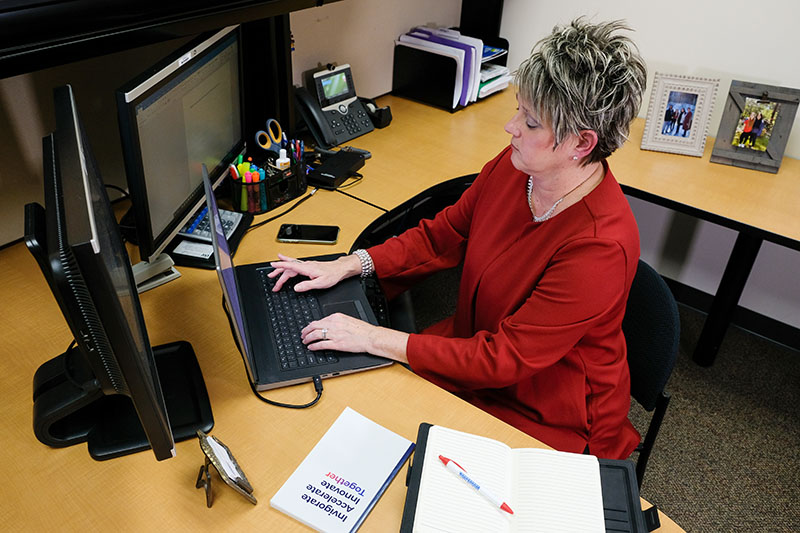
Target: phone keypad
pixel 351 123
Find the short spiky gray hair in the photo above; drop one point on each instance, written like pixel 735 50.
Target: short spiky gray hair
pixel 581 77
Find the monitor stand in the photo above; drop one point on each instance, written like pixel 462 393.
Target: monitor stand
pixel 150 274
pixel 69 407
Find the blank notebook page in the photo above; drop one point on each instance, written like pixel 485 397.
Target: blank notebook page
pixel 561 491
pixel 445 502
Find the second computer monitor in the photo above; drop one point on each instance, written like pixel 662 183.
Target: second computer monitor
pixel 183 112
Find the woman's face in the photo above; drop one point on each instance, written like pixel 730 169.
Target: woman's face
pixel 532 142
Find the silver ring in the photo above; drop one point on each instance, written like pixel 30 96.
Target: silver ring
pixel 324 334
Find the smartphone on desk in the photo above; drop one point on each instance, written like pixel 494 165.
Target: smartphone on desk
pixel 308 233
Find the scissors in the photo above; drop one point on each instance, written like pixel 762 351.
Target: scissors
pixel 271 138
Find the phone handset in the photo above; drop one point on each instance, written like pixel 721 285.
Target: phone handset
pixel 314 118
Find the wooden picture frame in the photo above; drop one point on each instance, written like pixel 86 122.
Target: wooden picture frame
pixel 763 143
pixel 678 114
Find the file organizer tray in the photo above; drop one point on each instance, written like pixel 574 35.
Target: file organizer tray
pixel 430 78
pixel 424 77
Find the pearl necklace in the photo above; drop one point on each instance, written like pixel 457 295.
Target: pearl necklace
pixel 549 214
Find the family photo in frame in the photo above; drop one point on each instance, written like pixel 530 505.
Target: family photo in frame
pixel 678 114
pixel 755 126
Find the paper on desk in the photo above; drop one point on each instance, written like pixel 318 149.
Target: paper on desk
pixel 194 249
pixel 492 70
pixel 492 86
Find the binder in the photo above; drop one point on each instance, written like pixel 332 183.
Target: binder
pixel 621 504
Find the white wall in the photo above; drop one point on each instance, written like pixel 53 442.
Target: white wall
pixel 362 33
pixel 726 40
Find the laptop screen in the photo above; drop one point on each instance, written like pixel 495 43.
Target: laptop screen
pixel 225 272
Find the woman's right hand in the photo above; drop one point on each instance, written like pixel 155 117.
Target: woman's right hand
pixel 322 274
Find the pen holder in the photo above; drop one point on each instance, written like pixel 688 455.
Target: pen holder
pixel 278 187
pixel 250 197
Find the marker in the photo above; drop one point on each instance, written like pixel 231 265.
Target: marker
pixel 456 469
pixel 246 201
pixel 262 188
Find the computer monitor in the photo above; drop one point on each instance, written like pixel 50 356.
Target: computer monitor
pixel 183 112
pixel 110 388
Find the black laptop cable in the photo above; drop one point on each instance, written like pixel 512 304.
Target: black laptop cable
pixel 317 387
pixel 317 379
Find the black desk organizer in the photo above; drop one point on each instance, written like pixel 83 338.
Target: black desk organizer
pixel 280 187
pixel 430 78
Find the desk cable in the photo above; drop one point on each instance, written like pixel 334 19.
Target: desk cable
pixel 317 387
pixel 361 200
pixel 270 219
pixel 358 177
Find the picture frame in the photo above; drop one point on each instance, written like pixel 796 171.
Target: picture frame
pixel 220 457
pixel 679 113
pixel 755 126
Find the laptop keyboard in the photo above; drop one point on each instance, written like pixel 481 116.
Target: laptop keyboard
pixel 289 312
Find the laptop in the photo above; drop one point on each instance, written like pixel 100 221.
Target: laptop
pixel 269 339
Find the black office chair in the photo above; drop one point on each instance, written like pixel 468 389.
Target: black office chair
pixel 407 215
pixel 652 330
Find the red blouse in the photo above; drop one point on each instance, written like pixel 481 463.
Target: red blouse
pixel 536 338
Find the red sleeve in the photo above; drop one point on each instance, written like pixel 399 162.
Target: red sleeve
pixel 583 282
pixel 433 245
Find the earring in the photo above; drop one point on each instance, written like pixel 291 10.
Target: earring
pixel 574 157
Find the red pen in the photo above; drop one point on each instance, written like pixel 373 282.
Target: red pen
pixel 456 469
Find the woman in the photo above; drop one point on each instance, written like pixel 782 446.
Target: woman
pixel 758 129
pixel 549 249
pixel 746 130
pixel 687 121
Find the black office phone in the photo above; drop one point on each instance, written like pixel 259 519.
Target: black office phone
pixel 331 108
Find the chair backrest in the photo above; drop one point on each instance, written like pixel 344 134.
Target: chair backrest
pixel 652 331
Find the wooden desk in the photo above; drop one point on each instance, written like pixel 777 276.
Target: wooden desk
pixel 47 489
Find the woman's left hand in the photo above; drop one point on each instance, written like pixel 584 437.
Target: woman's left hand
pixel 347 334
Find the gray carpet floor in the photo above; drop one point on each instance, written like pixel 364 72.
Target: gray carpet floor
pixel 727 458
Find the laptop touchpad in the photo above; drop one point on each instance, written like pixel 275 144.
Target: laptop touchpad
pixel 351 308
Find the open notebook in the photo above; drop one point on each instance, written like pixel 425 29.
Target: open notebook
pixel 547 490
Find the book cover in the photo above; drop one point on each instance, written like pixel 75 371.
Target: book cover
pixel 344 475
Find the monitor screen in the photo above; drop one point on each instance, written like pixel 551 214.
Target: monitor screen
pixel 182 113
pixel 107 390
